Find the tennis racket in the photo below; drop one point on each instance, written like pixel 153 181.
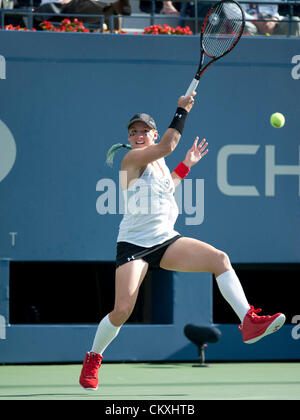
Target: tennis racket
pixel 221 30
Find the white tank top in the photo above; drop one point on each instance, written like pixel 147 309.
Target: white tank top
pixel 150 209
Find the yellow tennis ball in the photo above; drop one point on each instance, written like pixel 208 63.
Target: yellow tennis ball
pixel 277 120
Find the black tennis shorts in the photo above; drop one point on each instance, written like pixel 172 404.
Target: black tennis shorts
pixel 127 252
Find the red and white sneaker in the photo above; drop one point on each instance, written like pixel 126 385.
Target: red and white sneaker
pixel 255 327
pixel 89 372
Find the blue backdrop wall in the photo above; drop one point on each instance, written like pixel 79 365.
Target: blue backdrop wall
pixel 65 98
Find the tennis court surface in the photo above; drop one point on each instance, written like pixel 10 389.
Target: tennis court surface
pixel 154 381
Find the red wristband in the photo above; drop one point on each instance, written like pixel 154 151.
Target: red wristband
pixel 182 170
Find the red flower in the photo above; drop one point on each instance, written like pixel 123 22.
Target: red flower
pixel 77 26
pixel 167 30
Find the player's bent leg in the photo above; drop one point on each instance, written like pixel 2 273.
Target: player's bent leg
pixel 129 277
pixel 190 255
pixel 128 280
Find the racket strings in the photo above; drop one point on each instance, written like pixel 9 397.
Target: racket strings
pixel 221 29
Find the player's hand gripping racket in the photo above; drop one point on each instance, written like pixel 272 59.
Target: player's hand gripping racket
pixel 221 30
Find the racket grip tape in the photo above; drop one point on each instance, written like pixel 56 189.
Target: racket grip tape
pixel 192 87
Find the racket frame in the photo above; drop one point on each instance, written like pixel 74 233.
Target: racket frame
pixel 200 70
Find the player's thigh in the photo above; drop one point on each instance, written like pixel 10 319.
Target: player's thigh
pixel 128 279
pixel 192 255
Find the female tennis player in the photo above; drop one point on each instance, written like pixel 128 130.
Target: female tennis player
pixel 147 238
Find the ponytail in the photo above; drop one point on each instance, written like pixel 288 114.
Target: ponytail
pixel 112 151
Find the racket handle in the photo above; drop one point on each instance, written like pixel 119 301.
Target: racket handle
pixel 192 87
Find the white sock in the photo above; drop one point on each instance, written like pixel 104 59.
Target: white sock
pixel 106 332
pixel 232 291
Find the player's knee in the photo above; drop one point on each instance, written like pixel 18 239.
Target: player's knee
pixel 222 263
pixel 122 312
